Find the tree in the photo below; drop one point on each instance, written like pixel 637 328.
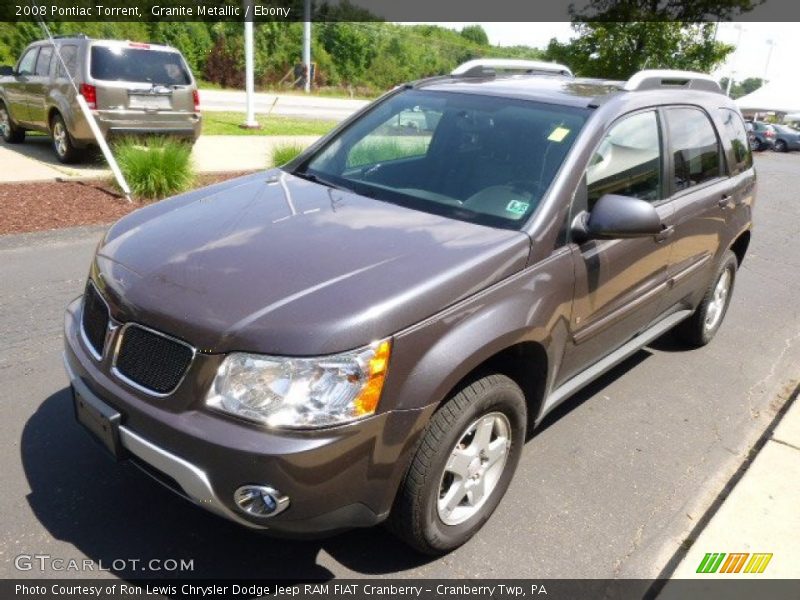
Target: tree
pixel 742 88
pixel 617 50
pixel 657 10
pixel 476 34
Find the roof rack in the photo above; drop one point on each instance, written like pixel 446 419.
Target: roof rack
pixel 67 36
pixel 483 67
pixel 654 79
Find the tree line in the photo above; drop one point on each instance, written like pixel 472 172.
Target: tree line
pixel 369 57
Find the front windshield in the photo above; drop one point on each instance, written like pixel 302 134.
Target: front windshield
pixel 478 158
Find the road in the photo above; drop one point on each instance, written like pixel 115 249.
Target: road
pixel 610 486
pixel 289 105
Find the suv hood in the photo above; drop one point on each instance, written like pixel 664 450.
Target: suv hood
pixel 276 264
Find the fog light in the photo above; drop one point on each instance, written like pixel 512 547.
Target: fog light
pixel 260 500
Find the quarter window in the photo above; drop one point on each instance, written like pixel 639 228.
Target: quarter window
pixel 737 134
pixel 628 160
pixel 27 63
pixel 695 148
pixel 43 62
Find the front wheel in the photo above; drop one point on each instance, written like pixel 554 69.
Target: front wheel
pixel 10 132
pixel 462 466
pixel 702 326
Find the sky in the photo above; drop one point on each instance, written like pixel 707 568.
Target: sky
pixel 749 59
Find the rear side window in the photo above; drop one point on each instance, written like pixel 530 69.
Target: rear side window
pixel 28 62
pixel 628 160
pixel 138 65
pixel 43 62
pixel 69 54
pixel 736 132
pixel 695 148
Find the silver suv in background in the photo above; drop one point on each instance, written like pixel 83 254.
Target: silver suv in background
pixel 132 88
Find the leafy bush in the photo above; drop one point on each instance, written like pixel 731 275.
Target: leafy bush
pixel 283 153
pixel 156 167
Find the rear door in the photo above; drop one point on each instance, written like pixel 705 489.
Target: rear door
pixel 17 92
pixel 702 197
pixel 618 282
pixel 38 87
pixel 141 77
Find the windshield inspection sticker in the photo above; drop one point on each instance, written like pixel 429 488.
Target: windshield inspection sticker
pixel 558 134
pixel 517 207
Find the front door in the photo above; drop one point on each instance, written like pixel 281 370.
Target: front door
pixel 17 91
pixel 618 282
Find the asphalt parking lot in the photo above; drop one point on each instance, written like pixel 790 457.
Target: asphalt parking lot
pixel 610 486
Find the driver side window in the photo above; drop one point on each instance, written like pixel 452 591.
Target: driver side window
pixel 628 161
pixel 28 61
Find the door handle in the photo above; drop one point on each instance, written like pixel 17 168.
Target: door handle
pixel 665 233
pixel 725 201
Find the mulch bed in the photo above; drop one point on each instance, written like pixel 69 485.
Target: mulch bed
pixel 48 205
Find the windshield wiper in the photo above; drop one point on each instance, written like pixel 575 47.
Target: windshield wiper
pixel 321 180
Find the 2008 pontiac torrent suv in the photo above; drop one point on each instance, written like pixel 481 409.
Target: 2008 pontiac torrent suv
pixel 369 332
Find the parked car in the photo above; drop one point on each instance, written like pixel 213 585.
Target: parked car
pixel 786 138
pixel 370 332
pixel 762 135
pixel 130 87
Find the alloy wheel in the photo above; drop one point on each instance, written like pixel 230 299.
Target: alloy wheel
pixel 474 468
pixel 60 138
pixel 718 301
pixel 5 124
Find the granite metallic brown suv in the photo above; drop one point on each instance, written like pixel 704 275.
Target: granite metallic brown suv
pixel 368 332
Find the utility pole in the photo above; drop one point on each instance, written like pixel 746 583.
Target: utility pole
pixel 249 69
pixel 307 45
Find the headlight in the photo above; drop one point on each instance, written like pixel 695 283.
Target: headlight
pixel 301 392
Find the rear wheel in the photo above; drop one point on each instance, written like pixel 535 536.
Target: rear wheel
pixel 65 149
pixel 757 145
pixel 702 326
pixel 462 467
pixel 10 132
pixel 780 146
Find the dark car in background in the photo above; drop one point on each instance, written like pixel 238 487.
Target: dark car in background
pixel 786 138
pixel 131 88
pixel 762 135
pixel 369 332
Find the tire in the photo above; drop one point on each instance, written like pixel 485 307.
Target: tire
pixel 421 516
pixel 699 329
pixel 757 145
pixel 10 132
pixel 63 146
pixel 780 146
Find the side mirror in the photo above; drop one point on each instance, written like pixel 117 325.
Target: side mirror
pixel 615 217
pixel 6 71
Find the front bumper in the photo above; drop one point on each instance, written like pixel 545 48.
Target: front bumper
pixel 336 478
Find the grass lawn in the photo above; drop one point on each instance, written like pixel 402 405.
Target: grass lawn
pixel 227 123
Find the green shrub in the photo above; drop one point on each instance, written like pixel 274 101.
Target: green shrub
pixel 283 153
pixel 156 167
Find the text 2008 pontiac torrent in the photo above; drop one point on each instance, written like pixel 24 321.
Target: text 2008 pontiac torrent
pixel 368 333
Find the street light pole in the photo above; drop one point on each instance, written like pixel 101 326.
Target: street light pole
pixel 735 50
pixel 307 45
pixel 249 69
pixel 771 44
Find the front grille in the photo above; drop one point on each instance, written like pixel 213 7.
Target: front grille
pixel 94 320
pixel 152 360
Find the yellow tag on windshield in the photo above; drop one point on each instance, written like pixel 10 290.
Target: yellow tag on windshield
pixel 558 134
